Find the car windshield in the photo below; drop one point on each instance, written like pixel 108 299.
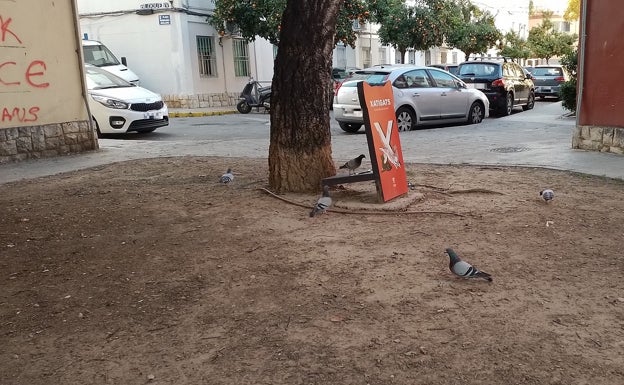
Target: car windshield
pixel 99 56
pixel 547 71
pixel 98 79
pixel 369 77
pixel 478 69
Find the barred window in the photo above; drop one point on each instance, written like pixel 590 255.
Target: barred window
pixel 206 56
pixel 241 57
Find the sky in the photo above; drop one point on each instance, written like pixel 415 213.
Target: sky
pixel 515 6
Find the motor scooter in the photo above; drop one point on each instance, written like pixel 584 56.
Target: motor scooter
pixel 254 95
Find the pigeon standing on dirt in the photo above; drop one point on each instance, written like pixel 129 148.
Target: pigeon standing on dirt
pixel 464 269
pixel 323 203
pixel 228 177
pixel 353 163
pixel 547 194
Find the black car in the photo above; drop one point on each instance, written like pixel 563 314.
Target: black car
pixel 505 84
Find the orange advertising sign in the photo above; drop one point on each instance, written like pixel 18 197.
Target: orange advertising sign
pixel 382 133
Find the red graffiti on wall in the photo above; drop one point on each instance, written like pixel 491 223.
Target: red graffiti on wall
pixel 14 76
pixel 34 69
pixel 21 114
pixel 4 30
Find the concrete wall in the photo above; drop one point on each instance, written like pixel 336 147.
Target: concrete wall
pixel 601 100
pixel 43 111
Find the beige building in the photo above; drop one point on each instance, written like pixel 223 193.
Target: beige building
pixel 44 110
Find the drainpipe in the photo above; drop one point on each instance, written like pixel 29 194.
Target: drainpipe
pixel 83 82
pixel 580 67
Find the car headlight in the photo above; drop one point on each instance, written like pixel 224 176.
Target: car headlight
pixel 111 103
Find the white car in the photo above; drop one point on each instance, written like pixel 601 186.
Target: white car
pixel 118 106
pixel 422 96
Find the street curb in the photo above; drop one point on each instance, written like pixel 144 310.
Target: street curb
pixel 197 114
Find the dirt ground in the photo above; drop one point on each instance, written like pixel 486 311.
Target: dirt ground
pixel 149 271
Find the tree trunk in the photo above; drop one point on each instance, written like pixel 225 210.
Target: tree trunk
pixel 300 153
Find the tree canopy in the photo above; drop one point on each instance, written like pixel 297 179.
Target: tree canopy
pixel 573 11
pixel 472 29
pixel 545 42
pixel 514 46
pixel 253 18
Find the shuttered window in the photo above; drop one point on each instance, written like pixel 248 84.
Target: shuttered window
pixel 241 57
pixel 206 56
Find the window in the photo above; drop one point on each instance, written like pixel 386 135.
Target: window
pixel 454 57
pixel 241 57
pixel 206 56
pixel 366 57
pixel 443 79
pixel 417 79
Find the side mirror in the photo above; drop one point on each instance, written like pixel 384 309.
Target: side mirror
pixel 124 61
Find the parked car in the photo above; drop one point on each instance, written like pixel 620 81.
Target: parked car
pixel 338 76
pixel 422 96
pixel 118 106
pixel 548 79
pixel 505 84
pixel 452 68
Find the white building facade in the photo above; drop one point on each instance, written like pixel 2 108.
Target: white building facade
pixel 175 51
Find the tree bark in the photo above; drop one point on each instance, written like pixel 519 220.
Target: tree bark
pixel 300 153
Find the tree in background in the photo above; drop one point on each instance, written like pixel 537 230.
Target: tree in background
pixel 567 92
pixel 420 26
pixel 472 30
pixel 546 43
pixel 514 46
pixel 573 11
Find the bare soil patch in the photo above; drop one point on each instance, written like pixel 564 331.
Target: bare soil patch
pixel 150 271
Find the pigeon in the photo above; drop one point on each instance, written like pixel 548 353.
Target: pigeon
pixel 547 194
pixel 323 203
pixel 353 163
pixel 464 269
pixel 227 177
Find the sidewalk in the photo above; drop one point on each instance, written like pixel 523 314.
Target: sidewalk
pixel 198 112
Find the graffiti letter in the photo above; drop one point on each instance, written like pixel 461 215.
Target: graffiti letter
pixel 29 74
pixel 4 28
pixel 33 112
pixel 2 81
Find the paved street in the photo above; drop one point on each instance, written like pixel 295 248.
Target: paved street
pixel 541 137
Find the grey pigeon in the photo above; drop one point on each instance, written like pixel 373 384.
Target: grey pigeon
pixel 228 177
pixel 323 203
pixel 353 163
pixel 547 194
pixel 464 269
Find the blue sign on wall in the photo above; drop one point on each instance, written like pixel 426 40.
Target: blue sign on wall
pixel 164 19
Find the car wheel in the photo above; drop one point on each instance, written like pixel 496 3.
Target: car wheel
pixel 406 119
pixel 243 107
pixel 530 103
pixel 351 128
pixel 508 107
pixel 476 113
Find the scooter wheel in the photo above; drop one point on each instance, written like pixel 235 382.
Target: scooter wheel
pixel 243 107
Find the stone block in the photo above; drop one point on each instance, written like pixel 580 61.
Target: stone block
pixel 38 140
pixel 71 138
pixel 618 137
pixel 53 131
pixel 607 136
pixel 617 150
pixel 23 132
pixel 24 144
pixel 595 134
pixel 585 132
pixel 11 133
pixel 8 148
